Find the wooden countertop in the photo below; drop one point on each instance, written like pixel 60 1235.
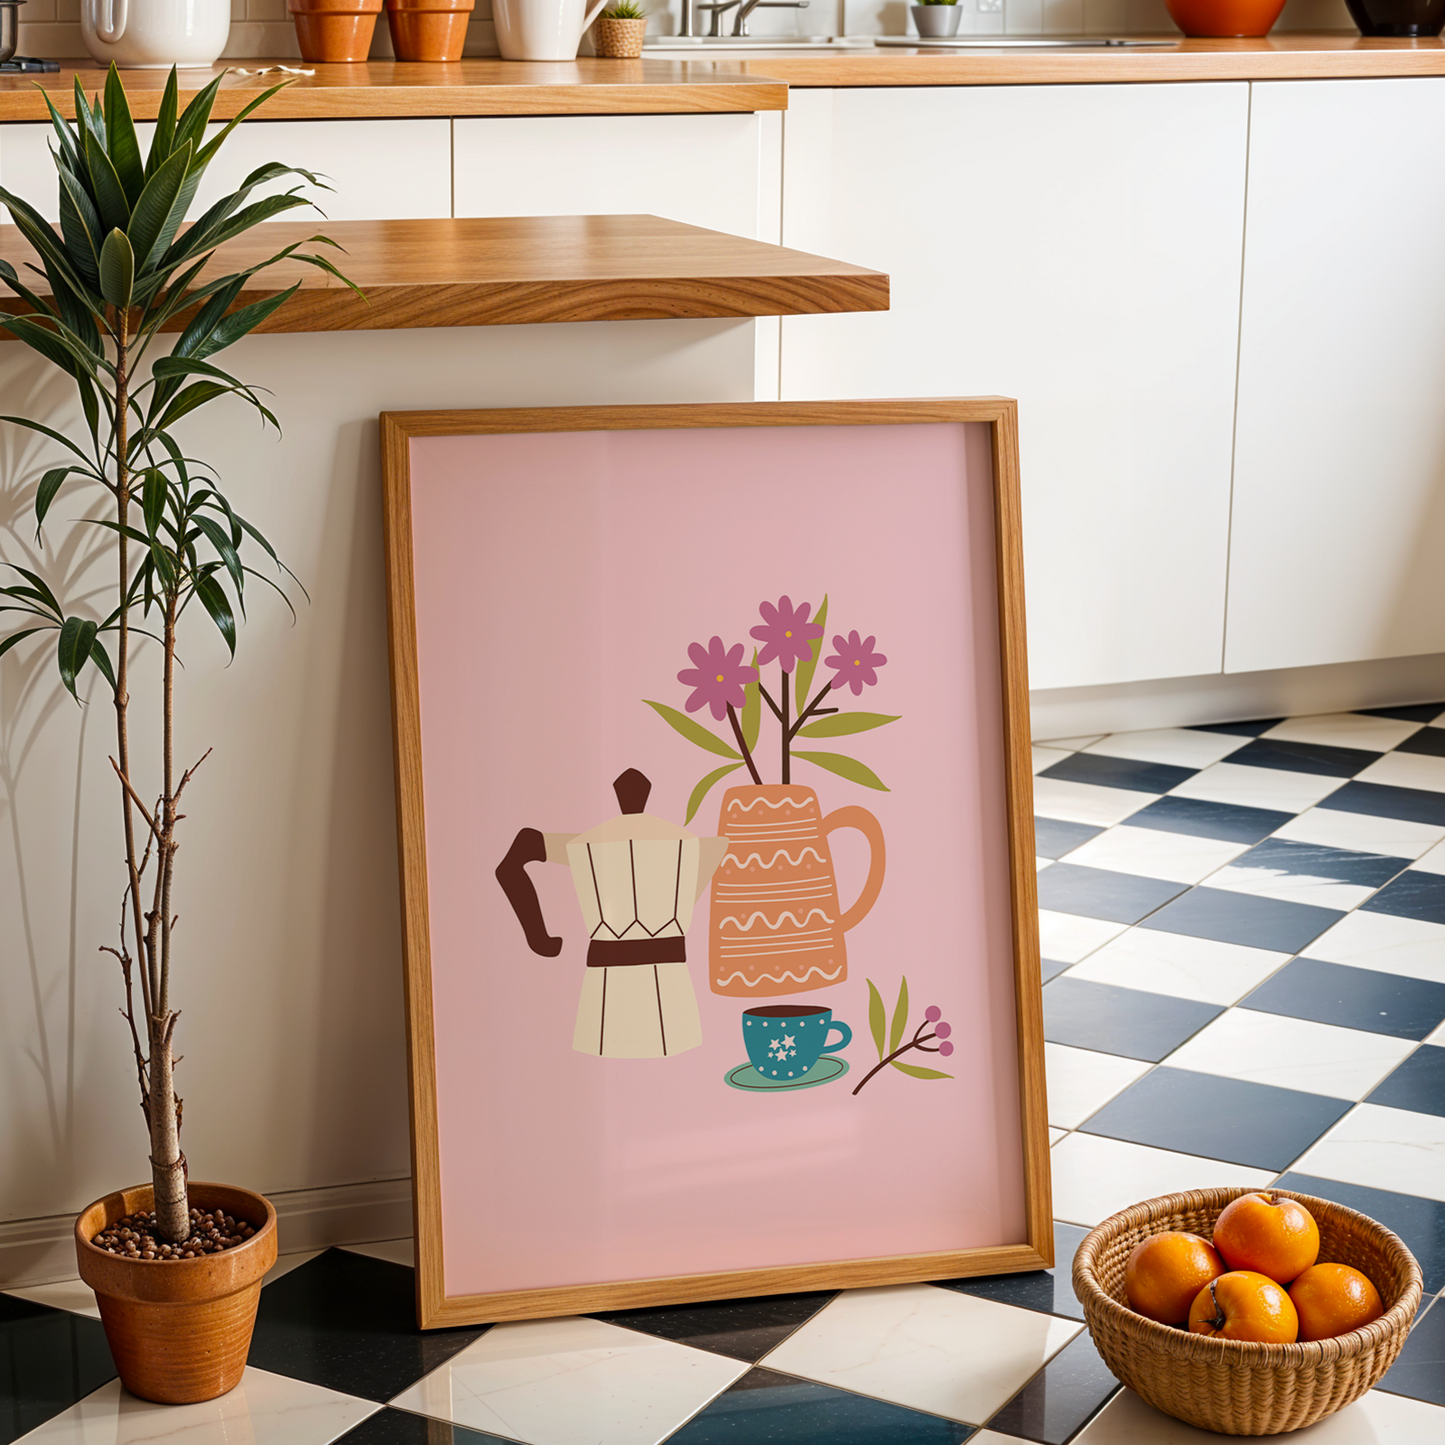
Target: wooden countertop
pixel 513 270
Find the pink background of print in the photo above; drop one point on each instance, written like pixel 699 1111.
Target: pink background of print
pixel 559 580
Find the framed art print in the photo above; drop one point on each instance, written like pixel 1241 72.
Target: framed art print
pixel 716 851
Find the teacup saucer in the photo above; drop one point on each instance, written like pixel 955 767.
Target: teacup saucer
pixel 750 1078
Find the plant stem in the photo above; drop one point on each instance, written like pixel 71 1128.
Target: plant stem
pixel 810 709
pixel 783 691
pixel 742 745
pixel 913 1043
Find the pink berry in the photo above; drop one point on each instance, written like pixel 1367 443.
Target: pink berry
pixel 933 1013
pixel 945 1049
pixel 943 1030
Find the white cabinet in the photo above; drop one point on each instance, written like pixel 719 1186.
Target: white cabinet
pixel 1339 492
pixel 1076 247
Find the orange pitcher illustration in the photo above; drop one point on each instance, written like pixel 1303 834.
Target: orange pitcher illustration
pixel 777 926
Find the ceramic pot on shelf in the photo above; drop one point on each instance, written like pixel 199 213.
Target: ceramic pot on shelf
pixel 542 29
pixel 1224 19
pixel 434 30
pixel 334 32
pixel 937 22
pixel 622 39
pixel 178 1329
pixel 155 34
pixel 1400 18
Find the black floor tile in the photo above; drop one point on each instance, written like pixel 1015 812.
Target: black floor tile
pixel 1200 818
pixel 1053 837
pixel 1412 895
pixel 1049 1291
pixel 1124 1021
pixel 768 1408
pixel 1419 1371
pixel 1327 762
pixel 1229 917
pixel 1381 800
pixel 1061 1398
pixel 1421 712
pixel 1119 773
pixel 1419 1222
pixel 743 1329
pixel 1338 865
pixel 1243 1123
pixel 49 1359
pixel 401 1427
pixel 1353 998
pixel 1052 968
pixel 1418 1084
pixel 1239 729
pixel 1104 893
pixel 348 1322
pixel 1429 741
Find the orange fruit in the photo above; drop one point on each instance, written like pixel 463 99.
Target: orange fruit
pixel 1333 1299
pixel 1269 1234
pixel 1166 1271
pixel 1244 1305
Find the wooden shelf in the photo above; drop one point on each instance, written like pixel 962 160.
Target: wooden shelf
pixel 512 270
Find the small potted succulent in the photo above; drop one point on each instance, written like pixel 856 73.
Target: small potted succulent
pixel 619 30
pixel 937 19
pixel 176 1264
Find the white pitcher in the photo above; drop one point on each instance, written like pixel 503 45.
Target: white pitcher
pixel 542 29
pixel 155 34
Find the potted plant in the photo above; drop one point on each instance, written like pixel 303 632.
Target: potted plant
pixel 619 30
pixel 176 1265
pixel 937 19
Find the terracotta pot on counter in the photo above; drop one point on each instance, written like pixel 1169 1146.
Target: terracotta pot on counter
pixel 1224 19
pixel 428 29
pixel 334 32
pixel 179 1329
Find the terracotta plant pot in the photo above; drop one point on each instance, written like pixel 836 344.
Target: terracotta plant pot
pixel 428 29
pixel 179 1329
pixel 619 39
pixel 1224 19
pixel 334 32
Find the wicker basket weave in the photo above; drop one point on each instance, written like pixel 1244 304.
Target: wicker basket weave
pixel 1233 1387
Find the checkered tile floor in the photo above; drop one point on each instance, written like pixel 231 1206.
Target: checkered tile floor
pixel 1244 935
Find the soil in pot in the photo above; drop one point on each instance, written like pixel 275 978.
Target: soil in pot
pixel 134 1236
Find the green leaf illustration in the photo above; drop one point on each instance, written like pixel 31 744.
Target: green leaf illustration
pixel 751 720
pixel 849 768
pixel 900 1015
pixel 803 677
pixel 705 786
pixel 845 723
pixel 914 1072
pixel 876 1017
pixel 693 732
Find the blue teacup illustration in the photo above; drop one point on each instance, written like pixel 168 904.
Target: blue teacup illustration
pixel 785 1041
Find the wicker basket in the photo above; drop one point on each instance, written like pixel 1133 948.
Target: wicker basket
pixel 1233 1387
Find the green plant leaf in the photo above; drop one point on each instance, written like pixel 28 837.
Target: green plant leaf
pixel 849 768
pixel 50 484
pixel 40 338
pixel 80 226
pixel 914 1072
pixel 77 636
pixel 694 801
pixel 877 1017
pixel 110 198
pixel 117 270
pixel 803 677
pixel 18 637
pixel 214 600
pixel 900 1015
pixel 120 136
pixel 751 718
pixel 845 723
pixel 101 658
pixel 163 139
pixel 156 207
pixel 225 549
pixel 154 493
pixel 693 732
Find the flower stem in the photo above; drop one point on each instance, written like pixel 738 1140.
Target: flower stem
pixel 787 737
pixel 914 1043
pixel 810 709
pixel 738 734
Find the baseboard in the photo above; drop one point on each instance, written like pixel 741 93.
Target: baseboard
pixel 37 1251
pixel 1231 697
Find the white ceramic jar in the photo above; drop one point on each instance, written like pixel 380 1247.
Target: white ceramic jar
pixel 542 29
pixel 155 34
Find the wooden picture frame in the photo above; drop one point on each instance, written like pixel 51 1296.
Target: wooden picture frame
pixel 435 1307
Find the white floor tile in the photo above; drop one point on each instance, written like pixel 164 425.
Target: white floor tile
pixel 1374 1419
pixel 1187 967
pixel 1275 788
pixel 1361 833
pixel 560 1381
pixel 1407 770
pixel 1041 863
pixel 398 1251
pixel 1345 730
pixel 1178 857
pixel 1381 941
pixel 1067 937
pixel 1433 861
pixel 1382 1149
pixel 287 1262
pixel 927 1348
pixel 1182 747
pixel 1086 802
pixel 65 1294
pixel 1094 1177
pixel 1055 1135
pixel 1045 757
pixel 264 1409
pixel 1291 1053
pixel 1081 1081
pixel 1291 887
pixel 1071 745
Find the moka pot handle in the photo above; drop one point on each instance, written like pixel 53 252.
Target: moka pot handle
pixel 529 846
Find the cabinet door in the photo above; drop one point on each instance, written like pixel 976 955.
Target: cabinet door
pixel 1078 248
pixel 1338 549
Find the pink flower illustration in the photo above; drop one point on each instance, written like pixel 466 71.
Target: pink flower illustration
pixel 856 662
pixel 786 634
pixel 718 677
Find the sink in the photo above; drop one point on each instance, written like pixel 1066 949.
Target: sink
pixel 758 42
pixel 694 44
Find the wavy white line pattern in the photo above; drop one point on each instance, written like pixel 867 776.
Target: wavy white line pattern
pixel 771 862
pixel 737 805
pixel 746 925
pixel 786 976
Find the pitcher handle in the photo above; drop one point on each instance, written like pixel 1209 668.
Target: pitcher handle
pixel 529 846
pixel 593 11
pixel 852 816
pixel 109 17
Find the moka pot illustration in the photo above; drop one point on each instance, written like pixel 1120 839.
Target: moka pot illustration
pixel 637 879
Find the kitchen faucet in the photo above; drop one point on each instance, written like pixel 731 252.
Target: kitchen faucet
pixel 740 21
